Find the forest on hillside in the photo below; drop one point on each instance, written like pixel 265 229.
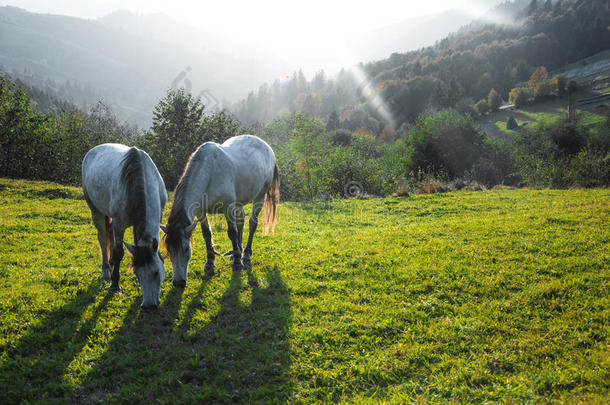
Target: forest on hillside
pixel 456 73
pixel 442 151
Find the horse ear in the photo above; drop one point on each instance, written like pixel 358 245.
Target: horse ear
pixel 163 228
pixel 191 227
pixel 130 248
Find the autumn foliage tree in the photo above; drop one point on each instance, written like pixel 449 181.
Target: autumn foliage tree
pixel 494 100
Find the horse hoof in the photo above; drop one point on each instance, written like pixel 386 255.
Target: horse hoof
pixel 179 283
pixel 114 289
pixel 237 265
pixel 105 275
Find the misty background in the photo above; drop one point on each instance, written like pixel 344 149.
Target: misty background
pixel 128 54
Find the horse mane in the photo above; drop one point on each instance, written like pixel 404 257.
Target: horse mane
pixel 132 178
pixel 177 219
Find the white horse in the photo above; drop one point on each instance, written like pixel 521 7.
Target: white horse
pixel 123 188
pixel 222 178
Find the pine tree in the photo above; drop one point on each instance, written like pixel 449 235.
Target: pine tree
pixel 333 121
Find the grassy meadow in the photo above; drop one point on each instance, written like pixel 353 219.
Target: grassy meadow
pixel 498 295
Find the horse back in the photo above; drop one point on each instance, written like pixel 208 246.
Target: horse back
pixel 253 163
pixel 103 185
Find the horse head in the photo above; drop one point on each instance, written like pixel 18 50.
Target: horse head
pixel 148 267
pixel 179 248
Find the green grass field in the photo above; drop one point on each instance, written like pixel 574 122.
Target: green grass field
pixel 469 297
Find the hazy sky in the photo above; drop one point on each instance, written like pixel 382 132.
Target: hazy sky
pixel 307 30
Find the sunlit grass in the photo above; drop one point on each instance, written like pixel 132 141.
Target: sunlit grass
pixel 468 297
pixel 524 116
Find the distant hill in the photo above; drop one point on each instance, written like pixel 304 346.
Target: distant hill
pixel 407 35
pixel 422 31
pixel 498 51
pixel 126 59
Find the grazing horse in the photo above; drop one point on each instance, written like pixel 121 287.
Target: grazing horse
pixel 222 178
pixel 123 188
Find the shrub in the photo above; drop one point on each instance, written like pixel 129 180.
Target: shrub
pixel 589 168
pixel 560 83
pixel 341 137
pixel 482 107
pixel 562 154
pixel 511 123
pixel 520 96
pixel 50 146
pixel 446 142
pixel 494 100
pixel 544 90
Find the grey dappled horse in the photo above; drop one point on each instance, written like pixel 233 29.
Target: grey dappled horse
pixel 222 179
pixel 123 188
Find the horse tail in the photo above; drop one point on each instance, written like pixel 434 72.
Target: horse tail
pixel 108 234
pixel 272 199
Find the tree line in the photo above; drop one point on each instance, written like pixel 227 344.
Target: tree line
pixel 457 72
pixel 315 160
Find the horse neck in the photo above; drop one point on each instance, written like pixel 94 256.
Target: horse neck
pixel 184 202
pixel 146 227
pixel 189 197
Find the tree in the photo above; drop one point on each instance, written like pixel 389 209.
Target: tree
pixel 482 107
pixel 537 78
pixel 560 84
pixel 519 96
pixel 511 123
pixel 179 127
pixel 333 121
pixel 318 81
pixel 494 100
pixel 445 142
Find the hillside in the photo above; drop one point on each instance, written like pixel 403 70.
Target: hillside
pixel 454 73
pixel 127 60
pixel 593 77
pixel 497 296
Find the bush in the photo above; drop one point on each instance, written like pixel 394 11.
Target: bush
pixel 482 107
pixel 494 100
pixel 447 143
pixel 562 154
pixel 520 96
pixel 511 123
pixel 50 146
pixel 314 162
pixel 589 168
pixel 544 90
pixel 341 137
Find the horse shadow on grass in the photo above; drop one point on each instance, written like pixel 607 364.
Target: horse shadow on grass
pixel 241 354
pixel 33 367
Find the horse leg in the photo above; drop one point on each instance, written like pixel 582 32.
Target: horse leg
pixel 233 232
pixel 103 237
pixel 241 220
pixel 117 255
pixel 257 206
pixel 209 245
